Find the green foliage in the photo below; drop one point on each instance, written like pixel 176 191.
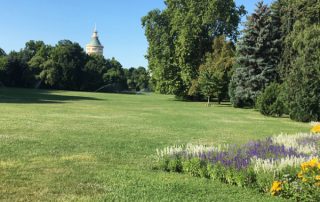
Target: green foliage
pixel 175 165
pixel 245 178
pixel 2 52
pixel 181 35
pixel 291 11
pixel 64 66
pixel 303 81
pixel 165 72
pixel 114 77
pixel 216 172
pixel 270 102
pixel 15 70
pixel 256 56
pixel 215 73
pixel 303 188
pixel 264 181
pixel 137 78
pixel 93 70
pixel 195 167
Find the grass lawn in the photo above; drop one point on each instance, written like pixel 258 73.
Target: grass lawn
pixel 76 146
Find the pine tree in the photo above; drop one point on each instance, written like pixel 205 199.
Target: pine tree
pixel 304 99
pixel 256 58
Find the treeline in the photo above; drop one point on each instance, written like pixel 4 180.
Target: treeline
pixel 66 66
pixel 194 52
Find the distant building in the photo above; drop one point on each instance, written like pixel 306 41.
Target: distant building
pixel 94 47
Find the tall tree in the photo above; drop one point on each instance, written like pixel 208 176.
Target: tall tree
pixel 93 71
pixel 166 76
pixel 114 77
pixel 256 67
pixel 37 62
pixel 180 36
pixel 63 69
pixel 3 66
pixel 304 99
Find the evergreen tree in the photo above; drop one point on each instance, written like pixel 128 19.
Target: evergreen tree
pixel 256 59
pixel 304 98
pixel 2 52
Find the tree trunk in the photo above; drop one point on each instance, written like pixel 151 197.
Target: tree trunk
pixel 208 104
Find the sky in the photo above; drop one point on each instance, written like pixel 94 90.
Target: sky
pixel 118 23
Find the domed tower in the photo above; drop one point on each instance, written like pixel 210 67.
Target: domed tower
pixel 94 47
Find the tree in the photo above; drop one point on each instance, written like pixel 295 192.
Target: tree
pixel 137 78
pixel 2 52
pixel 207 83
pixel 3 66
pixel 304 98
pixel 270 102
pixel 63 69
pixel 114 78
pixel 256 66
pixel 93 72
pixel 38 61
pixel 14 70
pixel 165 72
pixel 180 37
pixel 215 73
pixel 289 12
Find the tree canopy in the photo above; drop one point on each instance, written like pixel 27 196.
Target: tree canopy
pixel 64 66
pixel 181 35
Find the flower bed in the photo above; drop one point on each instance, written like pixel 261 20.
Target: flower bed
pixel 286 166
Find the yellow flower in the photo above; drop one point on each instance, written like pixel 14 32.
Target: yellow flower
pixel 317 177
pixel 304 166
pixel 316 129
pixel 300 174
pixel 313 163
pixel 317 184
pixel 276 187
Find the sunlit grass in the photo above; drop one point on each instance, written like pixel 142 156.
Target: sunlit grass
pixel 60 145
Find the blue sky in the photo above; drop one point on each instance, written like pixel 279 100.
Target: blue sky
pixel 118 23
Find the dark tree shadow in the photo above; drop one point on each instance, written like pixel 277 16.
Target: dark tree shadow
pixel 31 96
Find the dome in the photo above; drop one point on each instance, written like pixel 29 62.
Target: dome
pixel 94 41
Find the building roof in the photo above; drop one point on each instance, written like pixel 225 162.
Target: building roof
pixel 94 41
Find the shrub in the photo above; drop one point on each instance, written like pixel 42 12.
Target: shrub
pixel 304 186
pixel 216 172
pixel 163 163
pixel 175 164
pixel 264 180
pixel 195 167
pixel 269 103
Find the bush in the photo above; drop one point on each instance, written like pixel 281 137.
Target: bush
pixel 175 165
pixel 269 103
pixel 195 167
pixel 264 181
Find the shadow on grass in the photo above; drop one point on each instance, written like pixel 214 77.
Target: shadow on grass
pixel 32 96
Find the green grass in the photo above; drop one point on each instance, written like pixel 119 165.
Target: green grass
pixel 76 146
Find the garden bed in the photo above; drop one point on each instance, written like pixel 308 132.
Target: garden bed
pixel 284 165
